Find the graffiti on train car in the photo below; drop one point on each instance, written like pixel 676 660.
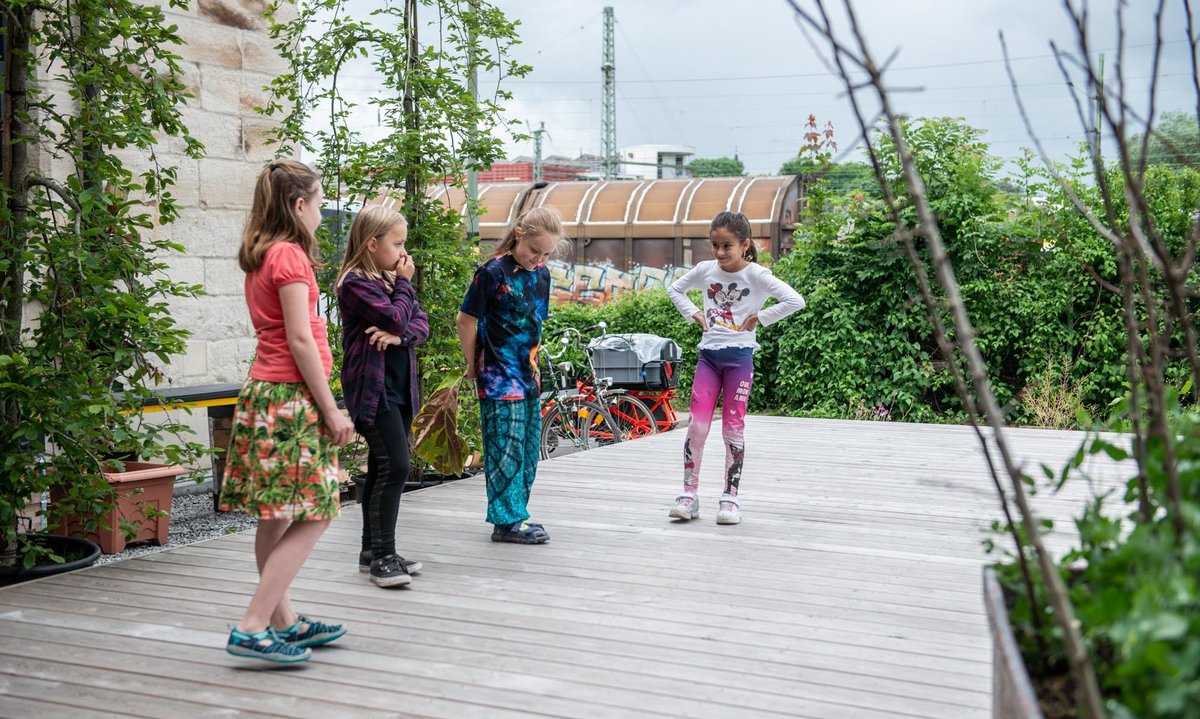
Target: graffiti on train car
pixel 596 284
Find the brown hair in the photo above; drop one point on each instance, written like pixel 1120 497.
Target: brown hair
pixel 531 222
pixel 736 223
pixel 372 223
pixel 272 215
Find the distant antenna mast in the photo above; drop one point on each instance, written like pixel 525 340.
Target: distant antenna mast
pixel 537 152
pixel 609 111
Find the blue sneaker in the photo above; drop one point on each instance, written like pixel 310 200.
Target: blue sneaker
pixel 265 645
pixel 314 635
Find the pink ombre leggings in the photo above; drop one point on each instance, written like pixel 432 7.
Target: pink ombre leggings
pixel 726 372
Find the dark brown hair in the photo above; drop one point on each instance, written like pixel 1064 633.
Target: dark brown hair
pixel 273 215
pixel 736 223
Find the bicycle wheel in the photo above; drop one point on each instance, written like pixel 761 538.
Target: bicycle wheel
pixel 601 428
pixel 632 417
pixel 573 425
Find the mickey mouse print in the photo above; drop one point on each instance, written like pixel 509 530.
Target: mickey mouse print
pixel 724 298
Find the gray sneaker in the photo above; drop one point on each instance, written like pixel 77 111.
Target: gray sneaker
pixel 686 507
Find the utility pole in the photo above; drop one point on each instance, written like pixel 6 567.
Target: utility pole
pixel 473 88
pixel 1099 100
pixel 609 110
pixel 537 152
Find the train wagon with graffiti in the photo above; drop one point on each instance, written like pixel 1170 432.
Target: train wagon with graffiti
pixel 629 235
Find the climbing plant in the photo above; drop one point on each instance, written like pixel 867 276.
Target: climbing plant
pixel 83 288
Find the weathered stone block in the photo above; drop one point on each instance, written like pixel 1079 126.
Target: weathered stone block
pixel 229 360
pixel 223 276
pixel 253 92
pixel 208 42
pixel 240 14
pixel 259 54
pixel 255 133
pixel 221 134
pixel 194 361
pixel 227 183
pixel 210 233
pixel 220 89
pixel 181 268
pixel 213 318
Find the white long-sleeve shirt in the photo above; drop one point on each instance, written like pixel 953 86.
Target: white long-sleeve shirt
pixel 730 298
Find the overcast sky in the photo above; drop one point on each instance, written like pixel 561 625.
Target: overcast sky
pixel 728 76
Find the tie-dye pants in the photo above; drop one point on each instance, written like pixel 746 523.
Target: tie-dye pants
pixel 512 446
pixel 725 373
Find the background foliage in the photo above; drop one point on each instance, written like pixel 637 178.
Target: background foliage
pixel 1032 273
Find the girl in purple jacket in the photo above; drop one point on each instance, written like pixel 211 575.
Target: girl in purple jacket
pixel 381 325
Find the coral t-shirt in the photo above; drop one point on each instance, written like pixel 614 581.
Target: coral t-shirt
pixel 285 263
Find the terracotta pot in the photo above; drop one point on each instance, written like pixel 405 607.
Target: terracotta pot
pixel 141 486
pixel 1012 692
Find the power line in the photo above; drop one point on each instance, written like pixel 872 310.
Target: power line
pixel 789 76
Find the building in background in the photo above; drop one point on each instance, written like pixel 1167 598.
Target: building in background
pixel 655 162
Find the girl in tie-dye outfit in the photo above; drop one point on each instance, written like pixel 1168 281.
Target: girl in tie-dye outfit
pixel 734 288
pixel 500 329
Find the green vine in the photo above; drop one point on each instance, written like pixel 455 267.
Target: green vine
pixel 83 284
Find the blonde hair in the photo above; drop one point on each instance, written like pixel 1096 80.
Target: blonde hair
pixel 372 223
pixel 272 215
pixel 531 222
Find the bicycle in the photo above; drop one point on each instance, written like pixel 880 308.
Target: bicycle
pixel 633 417
pixel 571 421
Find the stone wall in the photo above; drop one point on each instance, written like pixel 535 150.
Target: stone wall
pixel 228 58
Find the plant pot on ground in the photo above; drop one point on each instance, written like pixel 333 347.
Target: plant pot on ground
pixel 54 555
pixel 141 509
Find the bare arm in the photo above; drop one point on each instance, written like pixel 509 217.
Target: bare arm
pixel 293 298
pixel 467 336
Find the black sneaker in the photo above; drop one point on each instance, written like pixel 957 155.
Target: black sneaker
pixel 364 563
pixel 389 572
pixel 521 533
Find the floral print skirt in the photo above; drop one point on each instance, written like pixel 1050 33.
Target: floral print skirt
pixel 282 463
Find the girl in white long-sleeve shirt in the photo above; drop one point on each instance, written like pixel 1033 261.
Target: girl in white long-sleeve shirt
pixel 735 288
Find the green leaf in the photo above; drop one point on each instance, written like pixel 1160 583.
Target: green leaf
pixel 436 438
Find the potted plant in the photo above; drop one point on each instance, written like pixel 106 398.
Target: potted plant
pixel 140 509
pixel 83 283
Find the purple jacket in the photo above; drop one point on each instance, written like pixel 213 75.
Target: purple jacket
pixel 364 303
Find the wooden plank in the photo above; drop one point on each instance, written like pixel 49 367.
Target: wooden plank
pixel 851 590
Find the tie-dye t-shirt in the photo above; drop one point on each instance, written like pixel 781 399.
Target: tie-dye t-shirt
pixel 510 304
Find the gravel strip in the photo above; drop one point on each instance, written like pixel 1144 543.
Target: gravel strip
pixel 192 520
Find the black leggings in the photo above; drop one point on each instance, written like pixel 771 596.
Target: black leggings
pixel 387 471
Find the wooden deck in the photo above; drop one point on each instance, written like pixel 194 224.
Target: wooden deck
pixel 850 590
